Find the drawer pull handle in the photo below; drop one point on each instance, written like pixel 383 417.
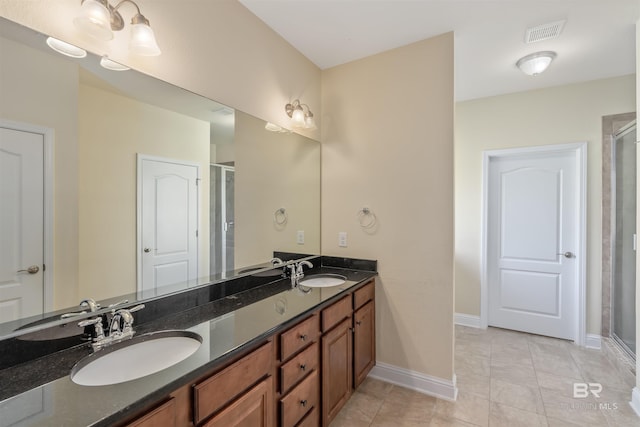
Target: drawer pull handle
pixel 303 337
pixel 303 403
pixel 358 322
pixel 303 367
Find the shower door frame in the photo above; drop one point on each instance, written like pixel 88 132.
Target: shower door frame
pixel 629 127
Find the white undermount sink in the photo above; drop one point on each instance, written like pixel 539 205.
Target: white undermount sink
pixel 322 280
pixel 141 356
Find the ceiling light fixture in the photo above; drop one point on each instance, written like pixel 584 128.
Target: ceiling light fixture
pixel 535 63
pixel 300 118
pixel 66 48
pixel 99 19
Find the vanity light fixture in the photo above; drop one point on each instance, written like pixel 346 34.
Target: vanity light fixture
pixel 300 118
pixel 107 63
pixel 65 48
pixel 100 19
pixel 535 63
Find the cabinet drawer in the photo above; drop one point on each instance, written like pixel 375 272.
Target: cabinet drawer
pixel 299 401
pixel 299 337
pixel 252 409
pixel 213 393
pixel 363 295
pixel 298 367
pixel 335 313
pixel 163 416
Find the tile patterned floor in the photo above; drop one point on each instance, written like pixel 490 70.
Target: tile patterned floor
pixel 505 378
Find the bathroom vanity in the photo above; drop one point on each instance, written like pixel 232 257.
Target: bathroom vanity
pixel 271 355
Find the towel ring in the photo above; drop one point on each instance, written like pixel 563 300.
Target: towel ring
pixel 280 216
pixel 367 218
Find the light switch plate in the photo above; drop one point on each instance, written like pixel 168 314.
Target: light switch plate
pixel 342 239
pixel 300 237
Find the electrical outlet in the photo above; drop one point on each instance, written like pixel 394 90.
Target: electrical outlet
pixel 342 239
pixel 300 237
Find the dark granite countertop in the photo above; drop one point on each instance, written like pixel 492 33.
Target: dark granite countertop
pixel 228 326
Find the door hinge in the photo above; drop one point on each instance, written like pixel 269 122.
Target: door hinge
pixel 198 181
pixel 44 267
pixel 196 233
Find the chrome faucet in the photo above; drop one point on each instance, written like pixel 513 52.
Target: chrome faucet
pixel 300 271
pixel 292 274
pixel 276 262
pixel 85 303
pixel 297 271
pixel 120 327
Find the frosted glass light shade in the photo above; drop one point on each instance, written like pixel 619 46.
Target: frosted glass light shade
pixel 297 118
pixel 66 48
pixel 310 123
pixel 143 41
pixel 535 63
pixel 95 20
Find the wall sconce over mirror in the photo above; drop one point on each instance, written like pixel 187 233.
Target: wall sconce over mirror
pixel 100 19
pixel 299 117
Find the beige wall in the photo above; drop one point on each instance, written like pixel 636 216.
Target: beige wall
pixel 556 115
pixel 112 130
pixel 233 57
pixel 388 144
pixel 264 184
pixel 39 89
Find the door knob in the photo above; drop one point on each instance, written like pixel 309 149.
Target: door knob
pixel 31 270
pixel 567 254
pixel 147 250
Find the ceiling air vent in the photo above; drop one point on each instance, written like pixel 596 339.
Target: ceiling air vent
pixel 544 31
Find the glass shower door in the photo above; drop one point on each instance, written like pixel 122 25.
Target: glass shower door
pixel 623 317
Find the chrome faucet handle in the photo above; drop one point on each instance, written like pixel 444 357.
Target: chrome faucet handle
pixel 115 304
pixel 90 303
pixel 74 314
pixel 136 308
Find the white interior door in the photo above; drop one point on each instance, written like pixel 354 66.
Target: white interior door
pixel 532 236
pixel 167 222
pixel 21 224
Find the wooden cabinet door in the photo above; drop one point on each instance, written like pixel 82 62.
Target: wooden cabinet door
pixel 364 342
pixel 163 416
pixel 252 409
pixel 336 370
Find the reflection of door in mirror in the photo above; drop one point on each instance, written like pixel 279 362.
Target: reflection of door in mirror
pixel 22 219
pixel 222 217
pixel 168 222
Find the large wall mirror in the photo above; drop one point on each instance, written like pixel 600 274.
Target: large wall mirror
pixel 115 184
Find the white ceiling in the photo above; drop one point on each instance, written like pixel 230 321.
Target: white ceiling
pixel 598 40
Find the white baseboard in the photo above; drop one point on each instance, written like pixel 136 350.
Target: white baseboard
pixel 467 320
pixel 635 400
pixel 593 341
pixel 433 386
